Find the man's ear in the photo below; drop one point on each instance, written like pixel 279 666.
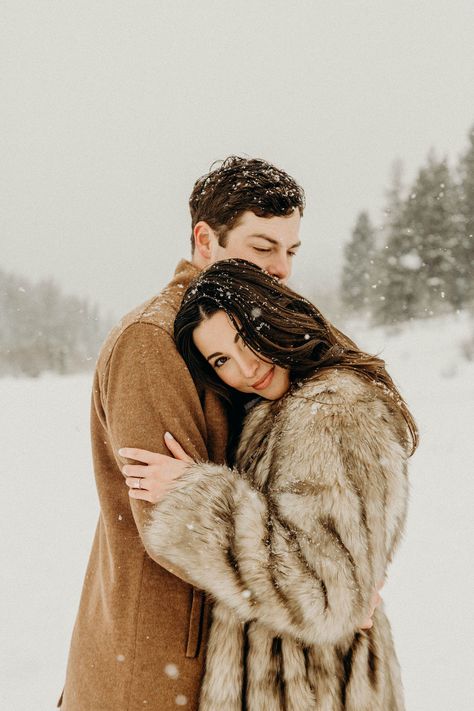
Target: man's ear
pixel 205 240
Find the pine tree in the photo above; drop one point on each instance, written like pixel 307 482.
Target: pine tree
pixel 421 270
pixel 434 218
pixel 464 252
pixel 43 329
pixel 358 269
pixel 394 200
pixel 397 300
pixel 387 302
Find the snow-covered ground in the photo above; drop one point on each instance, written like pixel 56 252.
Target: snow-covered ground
pixel 49 513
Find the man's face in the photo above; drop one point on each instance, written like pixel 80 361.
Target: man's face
pixel 269 242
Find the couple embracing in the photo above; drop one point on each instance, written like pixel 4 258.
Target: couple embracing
pixel 250 463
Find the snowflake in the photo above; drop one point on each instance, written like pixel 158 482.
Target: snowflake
pixel 172 671
pixel 412 261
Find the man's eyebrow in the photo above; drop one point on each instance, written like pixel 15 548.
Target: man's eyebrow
pixel 213 355
pixel 274 241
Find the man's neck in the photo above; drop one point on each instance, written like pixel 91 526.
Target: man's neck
pixel 198 261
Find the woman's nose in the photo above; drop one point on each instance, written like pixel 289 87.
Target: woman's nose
pixel 248 364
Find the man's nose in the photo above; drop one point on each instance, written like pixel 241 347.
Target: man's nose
pixel 280 267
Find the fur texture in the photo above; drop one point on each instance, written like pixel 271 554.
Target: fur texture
pixel 290 544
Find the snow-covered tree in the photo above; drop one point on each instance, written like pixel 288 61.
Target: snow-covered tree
pixel 421 272
pixel 43 329
pixel 358 269
pixel 465 249
pixel 388 296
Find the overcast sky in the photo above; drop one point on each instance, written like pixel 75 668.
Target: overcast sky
pixel 114 108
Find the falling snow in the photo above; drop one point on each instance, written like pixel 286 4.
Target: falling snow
pixel 172 671
pixel 411 261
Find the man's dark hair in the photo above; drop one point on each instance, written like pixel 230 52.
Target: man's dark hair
pixel 236 185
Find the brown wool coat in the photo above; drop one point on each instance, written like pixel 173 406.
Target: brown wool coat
pixel 135 616
pixel 290 544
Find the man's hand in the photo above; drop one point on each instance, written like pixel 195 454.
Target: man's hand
pixel 374 601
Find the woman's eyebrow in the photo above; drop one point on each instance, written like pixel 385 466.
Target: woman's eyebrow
pixel 218 353
pixel 213 355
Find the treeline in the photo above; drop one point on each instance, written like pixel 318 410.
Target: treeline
pixel 43 329
pixel 420 261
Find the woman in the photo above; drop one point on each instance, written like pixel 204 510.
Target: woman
pixel 292 541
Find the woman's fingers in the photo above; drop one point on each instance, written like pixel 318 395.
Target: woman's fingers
pixel 147 457
pixel 374 601
pixel 152 479
pixel 143 495
pixel 141 455
pixel 153 496
pixel 368 622
pixel 176 449
pixel 145 489
pixel 137 470
pixel 135 483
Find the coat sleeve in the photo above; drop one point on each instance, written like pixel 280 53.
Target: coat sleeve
pixel 303 556
pixel 148 390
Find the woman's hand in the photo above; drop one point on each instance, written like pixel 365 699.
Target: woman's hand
pixel 152 479
pixel 375 600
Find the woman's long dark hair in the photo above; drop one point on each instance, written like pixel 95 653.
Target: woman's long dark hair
pixel 278 325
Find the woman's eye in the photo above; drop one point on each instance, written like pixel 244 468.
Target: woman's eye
pixel 220 361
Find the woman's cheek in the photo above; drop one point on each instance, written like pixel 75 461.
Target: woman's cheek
pixel 234 379
pixel 283 382
pixel 227 376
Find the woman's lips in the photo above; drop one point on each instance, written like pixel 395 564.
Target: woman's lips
pixel 265 381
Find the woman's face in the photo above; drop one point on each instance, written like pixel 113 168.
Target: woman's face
pixel 234 362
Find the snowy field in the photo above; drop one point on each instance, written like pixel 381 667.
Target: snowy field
pixel 49 513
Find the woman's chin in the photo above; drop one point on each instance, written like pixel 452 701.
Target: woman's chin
pixel 278 387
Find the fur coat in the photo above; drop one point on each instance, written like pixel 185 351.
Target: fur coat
pixel 290 544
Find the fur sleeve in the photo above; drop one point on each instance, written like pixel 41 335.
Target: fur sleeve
pixel 303 556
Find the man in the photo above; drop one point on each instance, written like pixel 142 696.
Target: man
pixel 140 635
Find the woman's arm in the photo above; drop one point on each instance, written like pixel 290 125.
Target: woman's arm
pixel 304 557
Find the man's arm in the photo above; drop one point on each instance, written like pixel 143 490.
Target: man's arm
pixel 148 390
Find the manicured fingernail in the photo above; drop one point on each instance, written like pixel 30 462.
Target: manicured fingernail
pixel 121 452
pixel 168 435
